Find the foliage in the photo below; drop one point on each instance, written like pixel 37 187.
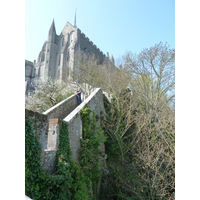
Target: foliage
pixel 38 184
pixel 70 180
pixel 140 159
pixel 64 164
pixel 34 173
pixel 97 74
pixel 141 129
pixel 80 184
pixel 88 69
pixel 90 149
pixel 153 74
pixel 48 93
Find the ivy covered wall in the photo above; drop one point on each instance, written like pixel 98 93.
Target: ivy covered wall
pixel 70 180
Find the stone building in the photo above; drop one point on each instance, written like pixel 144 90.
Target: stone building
pixel 29 77
pixel 57 59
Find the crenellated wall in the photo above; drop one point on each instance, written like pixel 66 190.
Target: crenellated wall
pixel 87 46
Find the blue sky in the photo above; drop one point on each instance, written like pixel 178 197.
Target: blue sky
pixel 115 26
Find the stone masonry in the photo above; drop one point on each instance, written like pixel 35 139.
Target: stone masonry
pixel 94 102
pixel 46 126
pixel 63 108
pixel 29 77
pixel 58 57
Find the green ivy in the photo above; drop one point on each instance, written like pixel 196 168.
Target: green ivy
pixel 34 174
pixel 39 184
pixel 90 149
pixel 80 185
pixel 70 179
pixel 62 177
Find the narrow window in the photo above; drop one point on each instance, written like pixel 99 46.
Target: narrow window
pixel 43 57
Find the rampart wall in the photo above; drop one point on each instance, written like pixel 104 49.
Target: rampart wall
pixel 46 125
pixel 95 102
pixel 62 109
pixel 40 127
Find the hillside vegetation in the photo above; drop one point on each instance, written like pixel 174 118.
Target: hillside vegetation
pixel 139 129
pixel 140 123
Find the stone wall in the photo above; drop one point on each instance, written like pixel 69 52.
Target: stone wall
pixel 62 109
pixel 53 134
pixel 46 126
pixel 89 48
pixel 57 59
pixel 48 160
pixel 30 72
pixel 95 102
pixel 40 127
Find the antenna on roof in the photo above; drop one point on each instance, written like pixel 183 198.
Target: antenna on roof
pixel 75 19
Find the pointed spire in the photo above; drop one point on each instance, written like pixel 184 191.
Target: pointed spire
pixel 75 19
pixel 52 28
pixel 52 32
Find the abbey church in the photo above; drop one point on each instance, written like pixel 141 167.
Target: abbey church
pixel 57 58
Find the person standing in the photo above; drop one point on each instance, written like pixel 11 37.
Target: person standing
pixel 86 95
pixel 78 94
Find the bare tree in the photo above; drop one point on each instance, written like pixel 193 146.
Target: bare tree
pixel 158 65
pixel 47 94
pixel 141 128
pixel 96 74
pixel 86 70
